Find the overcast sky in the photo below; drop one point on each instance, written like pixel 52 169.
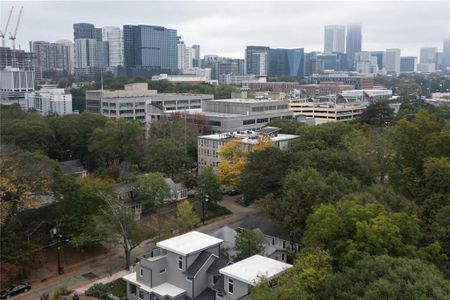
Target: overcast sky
pixel 226 27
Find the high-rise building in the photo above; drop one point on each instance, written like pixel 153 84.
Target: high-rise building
pixel 70 46
pixel 150 47
pixel 334 39
pixel 223 66
pixel 185 56
pixel 365 63
pixel 24 60
pixel 380 58
pixel 85 53
pixel 286 62
pixel 428 55
pixel 408 64
pixel 114 37
pixel 51 56
pixel 84 31
pixel 49 100
pixel 90 52
pixel 334 61
pixel 313 64
pixel 256 60
pixel 392 62
pixel 102 55
pixel 354 40
pixel 14 83
pixel 446 54
pixel 196 55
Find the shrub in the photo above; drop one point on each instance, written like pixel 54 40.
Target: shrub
pixel 98 290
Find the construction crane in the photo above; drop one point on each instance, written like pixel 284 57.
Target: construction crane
pixel 12 37
pixel 3 32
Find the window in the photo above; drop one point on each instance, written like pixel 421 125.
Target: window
pixel 141 295
pixel 282 256
pixel 162 271
pixel 180 262
pixel 248 122
pixel 284 244
pixel 273 241
pixel 230 286
pixel 133 289
pixel 141 272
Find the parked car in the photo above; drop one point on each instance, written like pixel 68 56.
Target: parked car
pixel 14 290
pixel 232 192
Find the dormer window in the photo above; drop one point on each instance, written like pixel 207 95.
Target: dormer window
pixel 180 262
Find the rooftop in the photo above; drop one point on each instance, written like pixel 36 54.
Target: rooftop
pixel 248 136
pixel 245 101
pixel 251 269
pixel 165 290
pixel 189 243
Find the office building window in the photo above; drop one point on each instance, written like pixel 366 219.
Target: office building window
pixel 141 272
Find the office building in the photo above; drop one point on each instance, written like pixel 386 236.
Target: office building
pixel 185 56
pixel 334 61
pixel 286 62
pixel 114 37
pixel 365 63
pixel 226 79
pixel 428 55
pixel 209 145
pixel 194 77
pixel 320 112
pixel 196 56
pixel 85 31
pixel 426 67
pixel 334 39
pixel 51 56
pixel 359 81
pixel 313 64
pixel 91 52
pixel 223 66
pixel 256 60
pixel 380 58
pixel 274 86
pixel 323 89
pixel 85 54
pixel 354 41
pixel 71 55
pixel 102 55
pixel 392 63
pixel 153 48
pixel 366 95
pixel 408 64
pixel 49 100
pixel 446 54
pixel 137 102
pixel 14 83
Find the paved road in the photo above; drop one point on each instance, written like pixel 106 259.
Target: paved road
pixel 114 261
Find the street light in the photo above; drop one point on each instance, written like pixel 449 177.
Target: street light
pixel 205 200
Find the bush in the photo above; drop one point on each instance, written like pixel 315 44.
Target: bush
pixel 61 291
pixel 44 296
pixel 98 290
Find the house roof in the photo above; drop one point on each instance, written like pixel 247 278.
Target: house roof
pixel 198 263
pixel 189 243
pixel 251 269
pixel 266 225
pixel 165 290
pixel 219 263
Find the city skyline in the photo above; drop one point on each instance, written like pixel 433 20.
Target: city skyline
pixel 204 24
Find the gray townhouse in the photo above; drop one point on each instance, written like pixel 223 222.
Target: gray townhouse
pixel 189 267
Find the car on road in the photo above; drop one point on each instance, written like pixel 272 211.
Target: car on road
pixel 14 290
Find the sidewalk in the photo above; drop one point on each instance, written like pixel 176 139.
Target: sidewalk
pixel 103 280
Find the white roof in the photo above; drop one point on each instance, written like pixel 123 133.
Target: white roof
pixel 163 290
pixel 189 243
pixel 251 269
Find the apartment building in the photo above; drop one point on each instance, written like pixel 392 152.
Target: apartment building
pixel 49 100
pixel 324 112
pixel 209 145
pixel 189 267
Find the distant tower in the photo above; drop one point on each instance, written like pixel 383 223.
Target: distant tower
pixel 334 39
pixel 354 40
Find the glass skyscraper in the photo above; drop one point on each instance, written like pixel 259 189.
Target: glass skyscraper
pixel 286 62
pixel 354 40
pixel 150 47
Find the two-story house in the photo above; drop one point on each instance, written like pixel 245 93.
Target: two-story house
pixel 189 267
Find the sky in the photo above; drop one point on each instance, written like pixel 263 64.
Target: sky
pixel 227 27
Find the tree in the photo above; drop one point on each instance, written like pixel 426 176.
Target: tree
pixel 208 185
pixel 116 224
pixel 248 243
pixel 301 282
pixel 232 160
pixel 302 191
pixel 384 277
pixel 76 209
pixel 185 217
pixel 30 135
pixel 440 228
pixel 287 126
pixel 118 140
pixel 352 231
pixel 377 114
pixel 263 173
pixel 328 135
pixel 166 156
pixel 152 190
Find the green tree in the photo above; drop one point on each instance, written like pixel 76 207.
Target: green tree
pixel 263 173
pixel 208 185
pixel 320 137
pixel 152 190
pixel 384 277
pixel 248 243
pixel 440 228
pixel 287 126
pixel 119 140
pixel 301 282
pixel 377 114
pixel 185 217
pixel 165 155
